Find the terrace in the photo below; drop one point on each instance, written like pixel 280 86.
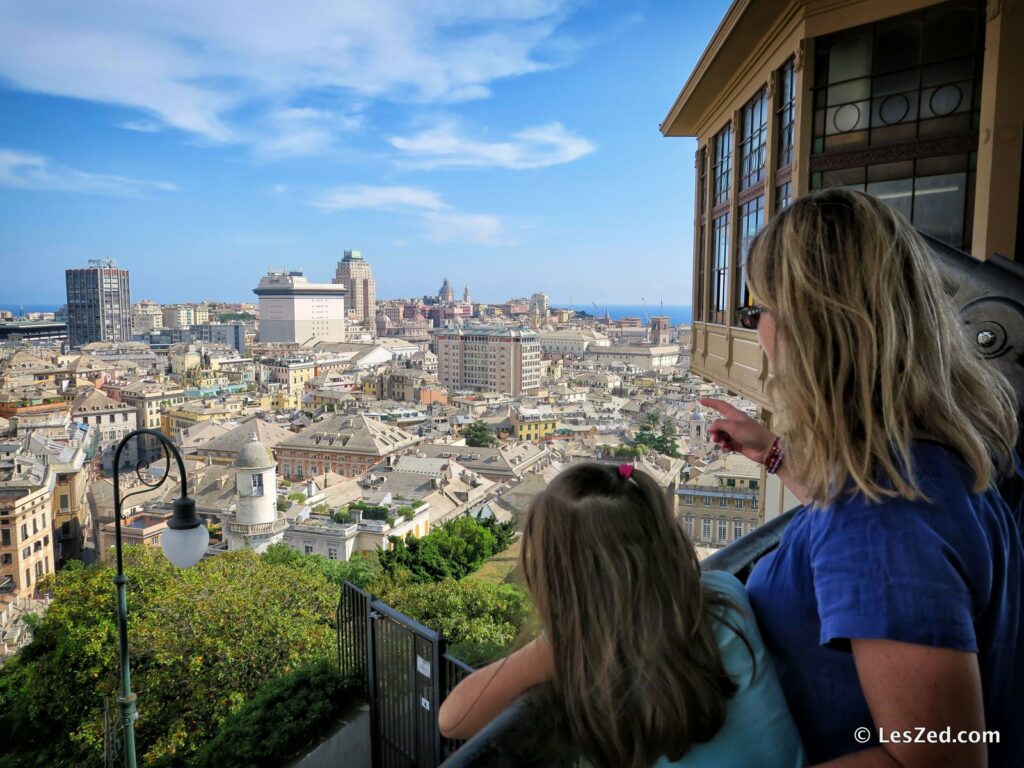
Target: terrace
pixel 387 648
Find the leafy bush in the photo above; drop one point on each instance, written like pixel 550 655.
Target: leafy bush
pixel 406 512
pixel 344 518
pixel 375 512
pixel 417 503
pixel 282 505
pixel 297 497
pixel 285 716
pixel 321 509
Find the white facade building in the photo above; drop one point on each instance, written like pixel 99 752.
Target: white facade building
pixel 572 341
pixel 294 310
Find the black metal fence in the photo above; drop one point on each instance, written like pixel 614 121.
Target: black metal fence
pixel 406 673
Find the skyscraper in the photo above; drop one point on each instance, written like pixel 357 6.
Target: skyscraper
pixel 99 303
pixel 354 273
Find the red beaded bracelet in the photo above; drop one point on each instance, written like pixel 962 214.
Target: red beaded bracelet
pixel 773 461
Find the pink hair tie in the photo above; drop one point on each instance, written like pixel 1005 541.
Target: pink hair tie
pixel 626 470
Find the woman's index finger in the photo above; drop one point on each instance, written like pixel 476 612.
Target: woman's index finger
pixel 724 408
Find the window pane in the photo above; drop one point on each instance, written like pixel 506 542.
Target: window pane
pixel 720 275
pixel 787 113
pixel 751 221
pixel 723 165
pixel 898 194
pixel 754 121
pixel 939 206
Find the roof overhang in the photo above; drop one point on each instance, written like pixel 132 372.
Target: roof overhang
pixel 746 24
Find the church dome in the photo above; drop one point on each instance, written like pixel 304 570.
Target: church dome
pixel 254 455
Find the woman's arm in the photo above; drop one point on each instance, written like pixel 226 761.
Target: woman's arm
pixel 484 694
pixel 736 431
pixel 909 687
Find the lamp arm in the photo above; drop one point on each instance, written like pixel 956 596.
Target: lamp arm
pixel 127 699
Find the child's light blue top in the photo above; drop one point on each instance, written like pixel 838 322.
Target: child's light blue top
pixel 758 729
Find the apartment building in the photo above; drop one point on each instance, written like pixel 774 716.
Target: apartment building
pixel 149 397
pixel 489 359
pixel 26 535
pixel 345 445
pixel 722 504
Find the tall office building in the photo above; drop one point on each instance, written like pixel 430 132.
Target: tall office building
pixel 99 303
pixel 489 359
pixel 354 273
pixel 292 309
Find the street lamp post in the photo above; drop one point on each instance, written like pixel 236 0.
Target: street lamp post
pixel 184 543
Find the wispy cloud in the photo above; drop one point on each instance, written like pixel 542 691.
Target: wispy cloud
pixel 446 147
pixel 23 170
pixel 190 65
pixel 141 126
pixel 390 198
pixel 441 223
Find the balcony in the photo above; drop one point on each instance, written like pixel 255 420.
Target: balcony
pixel 244 529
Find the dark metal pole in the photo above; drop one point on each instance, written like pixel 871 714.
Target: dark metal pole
pixel 127 698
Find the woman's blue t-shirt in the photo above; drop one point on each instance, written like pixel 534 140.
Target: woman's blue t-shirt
pixel 946 574
pixel 758 729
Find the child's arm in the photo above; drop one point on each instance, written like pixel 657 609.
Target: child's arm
pixel 484 694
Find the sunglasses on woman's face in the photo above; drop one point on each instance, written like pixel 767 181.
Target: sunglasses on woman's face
pixel 750 316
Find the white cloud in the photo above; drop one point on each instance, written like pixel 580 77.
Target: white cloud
pixel 440 222
pixel 23 170
pixel 391 198
pixel 535 147
pixel 239 70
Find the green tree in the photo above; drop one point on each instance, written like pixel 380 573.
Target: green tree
pixel 202 641
pixel 450 551
pixel 363 569
pixel 479 435
pixel 283 717
pixel 480 620
pixel 630 451
pixel 666 442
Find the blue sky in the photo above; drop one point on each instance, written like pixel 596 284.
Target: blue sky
pixel 510 146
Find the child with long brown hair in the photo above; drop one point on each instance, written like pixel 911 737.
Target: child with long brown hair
pixel 650 660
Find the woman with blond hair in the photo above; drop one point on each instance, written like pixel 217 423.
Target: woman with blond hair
pixel 892 606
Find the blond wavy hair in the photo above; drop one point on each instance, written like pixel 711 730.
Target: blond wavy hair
pixel 870 352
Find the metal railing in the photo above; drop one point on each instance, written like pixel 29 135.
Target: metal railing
pixel 406 673
pixel 531 733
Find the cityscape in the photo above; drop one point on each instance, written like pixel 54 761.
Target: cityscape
pixel 325 419
pixel 308 486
